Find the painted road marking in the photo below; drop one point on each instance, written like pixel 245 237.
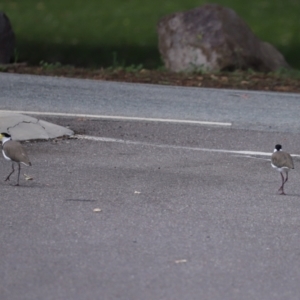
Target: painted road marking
pixel 112 140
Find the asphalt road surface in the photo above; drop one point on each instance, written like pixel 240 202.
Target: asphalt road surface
pixel 243 109
pixel 152 210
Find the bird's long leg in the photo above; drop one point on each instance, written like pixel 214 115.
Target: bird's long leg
pixel 19 165
pixel 13 169
pixel 287 176
pixel 282 185
pixel 282 182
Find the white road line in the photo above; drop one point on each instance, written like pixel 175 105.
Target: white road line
pixel 121 118
pixel 111 140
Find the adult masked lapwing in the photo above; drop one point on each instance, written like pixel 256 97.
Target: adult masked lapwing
pixel 13 151
pixel 282 162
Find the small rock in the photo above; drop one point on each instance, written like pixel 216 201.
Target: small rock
pixel 180 261
pixel 27 177
pixel 97 209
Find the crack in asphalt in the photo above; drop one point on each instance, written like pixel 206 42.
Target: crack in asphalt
pixel 26 122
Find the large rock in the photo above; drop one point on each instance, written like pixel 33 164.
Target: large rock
pixel 7 39
pixel 213 38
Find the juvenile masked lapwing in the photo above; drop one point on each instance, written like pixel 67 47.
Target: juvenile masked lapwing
pixel 283 163
pixel 14 152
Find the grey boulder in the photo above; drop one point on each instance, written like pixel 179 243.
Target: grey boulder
pixel 213 38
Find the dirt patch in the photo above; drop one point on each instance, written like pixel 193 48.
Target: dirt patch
pixel 231 80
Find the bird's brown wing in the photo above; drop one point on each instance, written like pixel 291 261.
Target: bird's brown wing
pixel 16 152
pixel 282 159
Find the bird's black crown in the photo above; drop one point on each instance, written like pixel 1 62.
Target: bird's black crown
pixel 5 134
pixel 278 147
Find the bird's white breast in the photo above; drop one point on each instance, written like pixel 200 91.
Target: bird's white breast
pixel 6 157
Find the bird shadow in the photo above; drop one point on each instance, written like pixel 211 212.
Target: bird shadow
pixel 29 185
pixel 287 195
pixel 80 200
